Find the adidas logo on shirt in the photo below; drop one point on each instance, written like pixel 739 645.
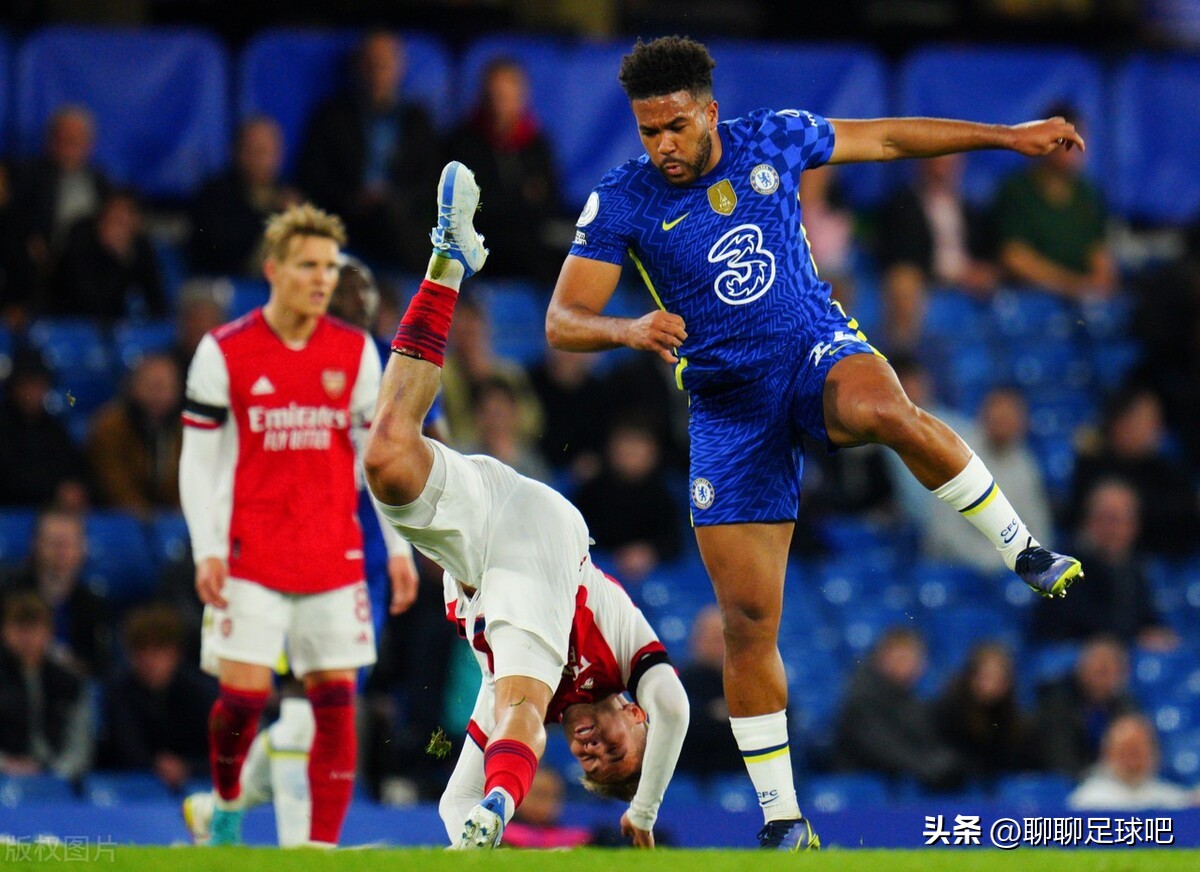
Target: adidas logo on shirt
pixel 262 386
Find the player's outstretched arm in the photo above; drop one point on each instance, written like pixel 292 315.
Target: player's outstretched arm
pixel 661 694
pixel 880 139
pixel 574 320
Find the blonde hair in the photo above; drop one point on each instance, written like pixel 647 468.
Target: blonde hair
pixel 302 220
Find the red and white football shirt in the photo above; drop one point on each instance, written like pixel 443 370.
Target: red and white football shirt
pixel 611 647
pixel 287 414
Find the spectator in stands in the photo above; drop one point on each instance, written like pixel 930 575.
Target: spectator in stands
pixel 1003 428
pixel 108 268
pixel 1052 226
pixel 1126 778
pixel 628 507
pixel 1133 447
pixel 1118 599
pixel 158 707
pixel 709 748
pixel 198 309
pixel 644 384
pixel 537 822
pixel 16 266
pixel 1167 324
pixel 884 726
pixel 55 572
pixel 231 209
pixel 45 717
pixel 1074 711
pixel 371 156
pixel 513 161
pixel 498 430
pixel 829 228
pixel 470 361
pixel 134 443
pixel 929 237
pixel 39 462
pixel 573 400
pixel 60 187
pixel 979 717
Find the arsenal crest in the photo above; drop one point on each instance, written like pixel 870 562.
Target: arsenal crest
pixel 334 382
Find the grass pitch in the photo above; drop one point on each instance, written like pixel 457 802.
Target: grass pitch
pixel 597 860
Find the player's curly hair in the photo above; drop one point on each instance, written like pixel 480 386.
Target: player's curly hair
pixel 666 65
pixel 304 219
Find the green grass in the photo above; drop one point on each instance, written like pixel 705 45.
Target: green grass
pixel 593 860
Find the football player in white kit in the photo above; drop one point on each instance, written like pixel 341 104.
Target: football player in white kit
pixel 519 573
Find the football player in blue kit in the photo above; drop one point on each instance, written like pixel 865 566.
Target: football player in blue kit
pixel 710 218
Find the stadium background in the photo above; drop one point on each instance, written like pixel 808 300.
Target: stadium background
pixel 168 82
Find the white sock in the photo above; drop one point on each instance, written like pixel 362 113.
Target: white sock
pixel 763 741
pixel 291 737
pixel 256 774
pixel 445 271
pixel 975 495
pixel 509 806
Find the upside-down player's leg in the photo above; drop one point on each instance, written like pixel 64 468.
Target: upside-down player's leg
pixel 398 458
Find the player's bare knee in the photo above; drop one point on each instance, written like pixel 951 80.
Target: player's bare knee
pixel 748 623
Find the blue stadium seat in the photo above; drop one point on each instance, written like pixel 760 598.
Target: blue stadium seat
pixel 1005 85
pixel 119 562
pixel 848 792
pixel 1157 143
pixel 133 340
pixel 160 98
pixel 169 540
pixel 1157 675
pixel 16 535
pixel 119 788
pixel 1112 360
pixel 247 294
pixel 81 357
pixel 23 789
pixel 517 314
pixel 285 73
pixel 836 81
pixel 685 791
pixel 1031 792
pixel 573 85
pixel 1181 756
pixel 1050 662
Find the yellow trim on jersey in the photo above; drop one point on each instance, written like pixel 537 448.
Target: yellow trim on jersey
pixel 852 323
pixel 811 259
pixel 762 758
pixel 683 362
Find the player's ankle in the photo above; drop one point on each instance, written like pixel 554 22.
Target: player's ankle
pixel 445 270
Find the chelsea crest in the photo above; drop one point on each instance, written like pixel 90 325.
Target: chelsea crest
pixel 764 179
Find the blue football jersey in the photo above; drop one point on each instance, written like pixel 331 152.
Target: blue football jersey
pixel 727 253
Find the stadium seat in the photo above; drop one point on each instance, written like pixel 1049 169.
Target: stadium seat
pixel 16 535
pixel 169 540
pixel 119 564
pixel 160 98
pixel 80 355
pixel 1157 143
pixel 517 315
pixel 247 294
pixel 285 73
pixel 1156 675
pixel 119 788
pixel 1049 662
pixel 836 81
pixel 828 794
pixel 1181 756
pixel 1031 792
pixel 16 790
pixel 133 340
pixel 1006 86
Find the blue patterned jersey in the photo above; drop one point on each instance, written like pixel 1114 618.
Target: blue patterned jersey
pixel 727 253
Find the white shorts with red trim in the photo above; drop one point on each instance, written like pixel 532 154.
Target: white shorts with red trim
pixel 318 632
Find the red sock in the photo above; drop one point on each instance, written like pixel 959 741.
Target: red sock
pixel 232 724
pixel 332 758
pixel 426 324
pixel 509 764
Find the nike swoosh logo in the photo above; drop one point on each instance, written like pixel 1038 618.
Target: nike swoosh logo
pixel 668 226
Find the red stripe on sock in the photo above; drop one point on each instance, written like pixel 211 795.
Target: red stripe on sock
pixel 332 758
pixel 232 723
pixel 425 326
pixel 511 765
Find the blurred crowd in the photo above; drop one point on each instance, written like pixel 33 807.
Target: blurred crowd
pixel 85 682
